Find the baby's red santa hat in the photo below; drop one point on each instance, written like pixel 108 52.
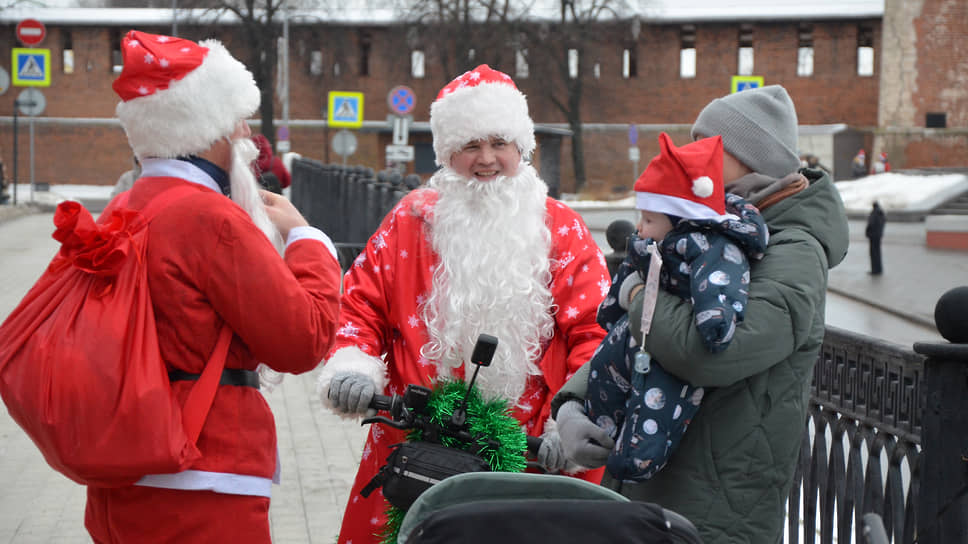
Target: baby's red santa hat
pixel 686 182
pixel 179 97
pixel 476 105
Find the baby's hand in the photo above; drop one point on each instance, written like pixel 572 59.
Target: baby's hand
pixel 640 254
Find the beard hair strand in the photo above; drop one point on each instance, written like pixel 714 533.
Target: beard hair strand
pixel 245 190
pixel 493 277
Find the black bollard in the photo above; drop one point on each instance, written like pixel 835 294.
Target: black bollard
pixel 943 495
pixel 617 235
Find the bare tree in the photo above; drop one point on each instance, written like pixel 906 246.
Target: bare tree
pixel 261 22
pixel 461 34
pixel 557 54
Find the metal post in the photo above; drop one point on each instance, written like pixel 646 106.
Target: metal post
pixel 174 17
pixel 943 496
pixel 285 64
pixel 16 105
pixel 32 158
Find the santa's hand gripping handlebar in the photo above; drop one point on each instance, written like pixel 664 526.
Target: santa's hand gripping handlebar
pixel 408 411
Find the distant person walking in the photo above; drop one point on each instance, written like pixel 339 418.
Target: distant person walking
pixel 874 232
pixel 881 165
pixel 127 179
pixel 858 167
pixel 4 196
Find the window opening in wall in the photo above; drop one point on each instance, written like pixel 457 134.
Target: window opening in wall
pixel 337 70
pixel 936 120
pixel 687 51
pixel 68 55
pixel 471 53
pixel 805 50
pixel 521 63
pixel 865 50
pixel 745 57
pixel 417 64
pixel 424 158
pixel 116 59
pixel 629 63
pixel 366 43
pixel 316 63
pixel 573 63
pixel 597 70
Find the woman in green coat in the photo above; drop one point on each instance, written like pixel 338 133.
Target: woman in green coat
pixel 734 467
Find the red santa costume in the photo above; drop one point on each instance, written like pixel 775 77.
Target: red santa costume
pixel 210 262
pixel 463 257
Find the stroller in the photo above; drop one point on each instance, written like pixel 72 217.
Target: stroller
pixel 487 507
pixel 449 494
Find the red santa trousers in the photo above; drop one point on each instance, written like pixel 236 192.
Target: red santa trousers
pixel 149 515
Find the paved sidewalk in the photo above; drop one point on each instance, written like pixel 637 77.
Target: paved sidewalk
pixel 914 276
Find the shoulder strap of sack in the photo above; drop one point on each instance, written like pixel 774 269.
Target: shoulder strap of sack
pixel 202 395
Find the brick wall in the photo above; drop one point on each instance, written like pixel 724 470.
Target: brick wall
pixel 656 98
pixel 925 70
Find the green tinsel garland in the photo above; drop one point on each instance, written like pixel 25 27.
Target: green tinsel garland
pixel 490 419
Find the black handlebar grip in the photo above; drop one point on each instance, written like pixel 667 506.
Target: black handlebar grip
pixel 534 444
pixel 381 402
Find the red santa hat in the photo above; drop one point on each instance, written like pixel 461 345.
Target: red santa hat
pixel 476 105
pixel 686 182
pixel 179 97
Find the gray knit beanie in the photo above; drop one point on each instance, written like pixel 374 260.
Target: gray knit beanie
pixel 758 126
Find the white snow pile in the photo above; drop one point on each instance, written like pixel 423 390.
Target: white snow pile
pixel 901 191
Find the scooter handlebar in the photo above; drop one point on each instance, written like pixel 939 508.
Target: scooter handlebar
pixel 382 402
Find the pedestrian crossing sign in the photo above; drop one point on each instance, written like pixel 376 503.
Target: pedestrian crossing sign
pixel 345 109
pixel 31 67
pixel 743 83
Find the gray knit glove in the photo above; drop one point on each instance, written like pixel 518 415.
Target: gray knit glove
pixel 351 392
pixel 583 442
pixel 551 455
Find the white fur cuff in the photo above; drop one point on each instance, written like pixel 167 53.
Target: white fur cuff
pixel 350 359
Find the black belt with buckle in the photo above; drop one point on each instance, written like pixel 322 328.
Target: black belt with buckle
pixel 230 376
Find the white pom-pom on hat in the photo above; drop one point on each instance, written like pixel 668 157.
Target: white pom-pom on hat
pixel 702 187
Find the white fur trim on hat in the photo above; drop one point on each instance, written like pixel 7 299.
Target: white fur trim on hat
pixel 351 359
pixel 193 112
pixel 474 113
pixel 680 207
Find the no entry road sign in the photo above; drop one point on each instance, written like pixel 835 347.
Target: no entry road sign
pixel 31 31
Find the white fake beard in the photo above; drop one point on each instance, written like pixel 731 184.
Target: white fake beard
pixel 493 277
pixel 245 189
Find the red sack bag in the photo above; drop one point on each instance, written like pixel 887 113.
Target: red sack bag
pixel 80 367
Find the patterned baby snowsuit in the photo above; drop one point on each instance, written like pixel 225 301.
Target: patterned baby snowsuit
pixel 642 406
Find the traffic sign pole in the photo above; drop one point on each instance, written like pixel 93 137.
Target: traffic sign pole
pixel 15 153
pixel 401 101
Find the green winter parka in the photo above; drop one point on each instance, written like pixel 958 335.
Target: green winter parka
pixel 735 464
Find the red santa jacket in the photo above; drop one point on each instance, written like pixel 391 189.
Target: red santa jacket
pixel 208 264
pixel 380 314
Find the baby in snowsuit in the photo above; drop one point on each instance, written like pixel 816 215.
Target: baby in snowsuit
pixel 694 240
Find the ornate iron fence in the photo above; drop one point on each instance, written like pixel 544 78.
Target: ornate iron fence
pixel 346 202
pixel 887 433
pixel 865 408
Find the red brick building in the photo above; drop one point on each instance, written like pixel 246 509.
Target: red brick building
pixel 657 76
